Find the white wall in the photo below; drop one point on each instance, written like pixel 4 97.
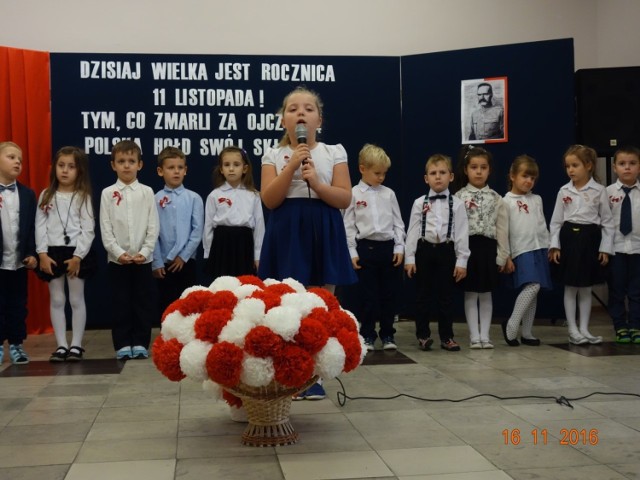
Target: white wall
pixel 605 32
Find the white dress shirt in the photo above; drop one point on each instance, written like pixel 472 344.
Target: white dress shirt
pixel 233 207
pixel 588 205
pixel 10 219
pixel 630 243
pixel 374 214
pixel 128 220
pixel 527 225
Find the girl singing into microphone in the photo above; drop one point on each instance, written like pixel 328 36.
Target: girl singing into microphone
pixel 305 237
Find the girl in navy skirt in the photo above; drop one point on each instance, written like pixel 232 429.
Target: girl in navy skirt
pixel 233 223
pixel 64 234
pixel 305 183
pixel 582 229
pixel 527 266
pixel 488 241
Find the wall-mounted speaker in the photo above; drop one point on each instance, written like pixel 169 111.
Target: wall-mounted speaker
pixel 608 108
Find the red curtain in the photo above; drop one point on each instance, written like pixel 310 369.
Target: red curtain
pixel 25 118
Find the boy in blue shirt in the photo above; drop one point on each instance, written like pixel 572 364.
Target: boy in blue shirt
pixel 181 214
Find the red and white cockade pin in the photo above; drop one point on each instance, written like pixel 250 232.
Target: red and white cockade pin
pixel 164 201
pixel 361 203
pixel 118 196
pixel 523 206
pixel 224 200
pixel 567 199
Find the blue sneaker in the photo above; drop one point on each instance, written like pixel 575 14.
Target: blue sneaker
pixel 18 355
pixel 315 392
pixel 124 353
pixel 139 352
pixel 1 353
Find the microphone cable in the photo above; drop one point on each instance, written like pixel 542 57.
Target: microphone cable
pixel 561 400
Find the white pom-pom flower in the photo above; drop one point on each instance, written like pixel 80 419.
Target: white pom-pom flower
pixel 244 291
pixel 257 372
pixel 330 360
pixel 178 326
pixel 195 288
pixel 235 331
pixel 250 309
pixel 270 281
pixel 284 321
pixel 296 285
pixel 193 358
pixel 224 283
pixel 303 302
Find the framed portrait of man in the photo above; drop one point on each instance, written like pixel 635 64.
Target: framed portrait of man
pixel 484 110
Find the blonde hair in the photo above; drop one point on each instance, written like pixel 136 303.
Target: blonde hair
pixel 285 140
pixel 439 158
pixel 525 164
pixel 4 145
pixel 373 156
pixel 586 155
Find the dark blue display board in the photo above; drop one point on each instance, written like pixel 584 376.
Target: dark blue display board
pixel 410 106
pixel 541 121
pixel 201 103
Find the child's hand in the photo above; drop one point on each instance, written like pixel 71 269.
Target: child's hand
pixel 300 154
pixel 125 259
pixel 509 266
pixel 354 262
pixel 30 262
pixel 73 266
pixel 603 258
pixel 309 173
pixel 398 258
pixel 158 273
pixel 554 255
pixel 459 273
pixel 176 265
pixel 46 263
pixel 410 269
pixel 139 259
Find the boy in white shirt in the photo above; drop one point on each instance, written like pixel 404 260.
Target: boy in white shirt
pixel 375 237
pixel 437 251
pixel 129 226
pixel 624 266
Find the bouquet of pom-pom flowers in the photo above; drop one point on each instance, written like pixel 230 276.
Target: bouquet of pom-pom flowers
pixel 256 343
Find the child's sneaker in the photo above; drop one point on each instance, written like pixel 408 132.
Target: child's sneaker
pixel 388 343
pixel 623 335
pixel 18 355
pixel 487 345
pixel 577 338
pixel 450 346
pixel 139 352
pixel 635 336
pixel 315 392
pixel 425 343
pixel 1 353
pixel 592 339
pixel 475 345
pixel 369 343
pixel 124 353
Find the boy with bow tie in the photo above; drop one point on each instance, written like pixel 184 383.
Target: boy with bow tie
pixel 17 251
pixel 437 251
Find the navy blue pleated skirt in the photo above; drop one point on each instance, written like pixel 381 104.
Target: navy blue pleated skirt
pixel 305 240
pixel 531 267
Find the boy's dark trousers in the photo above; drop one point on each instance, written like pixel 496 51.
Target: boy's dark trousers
pixel 624 281
pixel 133 304
pixel 376 283
pixel 435 263
pixel 13 306
pixel 174 283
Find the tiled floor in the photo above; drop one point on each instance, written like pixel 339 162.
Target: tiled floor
pixel 95 423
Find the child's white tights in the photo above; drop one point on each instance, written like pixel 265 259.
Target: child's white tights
pixel 583 305
pixel 524 311
pixel 478 307
pixel 78 310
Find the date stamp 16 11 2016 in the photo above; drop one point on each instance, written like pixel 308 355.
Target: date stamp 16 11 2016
pixel 540 436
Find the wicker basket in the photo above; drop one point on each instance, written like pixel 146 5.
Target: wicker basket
pixel 268 413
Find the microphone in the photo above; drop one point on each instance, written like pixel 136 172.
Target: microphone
pixel 301 133
pixel 301 137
